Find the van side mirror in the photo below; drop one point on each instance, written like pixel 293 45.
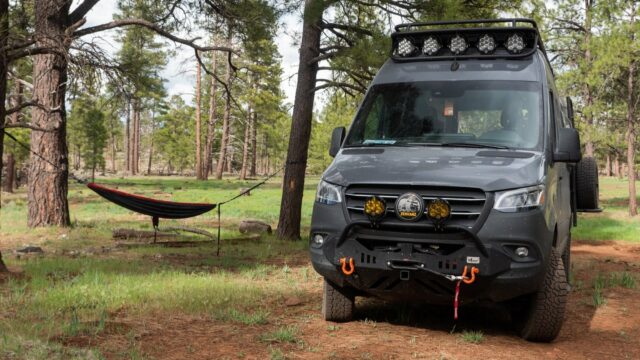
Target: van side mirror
pixel 568 146
pixel 336 140
pixel 570 111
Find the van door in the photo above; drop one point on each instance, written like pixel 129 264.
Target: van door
pixel 562 171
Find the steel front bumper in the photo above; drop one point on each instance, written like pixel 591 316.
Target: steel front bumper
pixel 409 262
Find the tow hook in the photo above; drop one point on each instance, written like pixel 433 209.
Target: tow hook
pixel 351 266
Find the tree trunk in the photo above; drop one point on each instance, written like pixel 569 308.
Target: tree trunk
pixel 211 124
pixel 608 166
pixel 113 144
pixel 225 125
pixel 589 146
pixel 254 149
pixel 11 173
pixel 4 32
pixel 135 137
pixel 198 123
pixel 291 204
pixel 245 147
pixel 150 155
pixel 48 187
pixel 127 142
pixel 631 141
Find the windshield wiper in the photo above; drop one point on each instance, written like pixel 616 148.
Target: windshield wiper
pixel 473 145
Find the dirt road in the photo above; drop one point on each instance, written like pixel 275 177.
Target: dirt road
pixel 610 331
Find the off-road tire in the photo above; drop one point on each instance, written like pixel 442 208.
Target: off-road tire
pixel 543 315
pixel 587 186
pixel 337 305
pixel 566 259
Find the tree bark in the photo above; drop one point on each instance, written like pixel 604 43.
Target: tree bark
pixel 153 129
pixel 291 204
pixel 631 141
pixel 631 130
pixel 254 149
pixel 198 123
pixel 4 35
pixel 225 124
pixel 113 147
pixel 589 147
pixel 211 124
pixel 245 146
pixel 128 137
pixel 48 187
pixel 11 174
pixel 135 137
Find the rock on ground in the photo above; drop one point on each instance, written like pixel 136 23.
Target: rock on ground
pixel 254 227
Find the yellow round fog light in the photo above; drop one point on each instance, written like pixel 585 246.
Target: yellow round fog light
pixel 375 208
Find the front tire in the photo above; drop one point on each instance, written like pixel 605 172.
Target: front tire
pixel 543 313
pixel 337 304
pixel 566 259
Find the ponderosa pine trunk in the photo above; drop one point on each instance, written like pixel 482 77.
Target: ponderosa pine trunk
pixel 48 187
pixel 198 123
pixel 245 146
pixel 127 140
pixel 4 35
pixel 135 137
pixel 296 163
pixel 254 143
pixel 11 173
pixel 631 140
pixel 211 124
pixel 589 147
pixel 225 126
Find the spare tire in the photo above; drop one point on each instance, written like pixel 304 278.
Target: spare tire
pixel 587 186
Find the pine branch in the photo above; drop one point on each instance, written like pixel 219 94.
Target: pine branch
pixel 82 10
pixel 155 28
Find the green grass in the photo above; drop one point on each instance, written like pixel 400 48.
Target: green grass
pixel 613 223
pixel 63 297
pixel 258 317
pixel 283 334
pixel 599 283
pixel 472 337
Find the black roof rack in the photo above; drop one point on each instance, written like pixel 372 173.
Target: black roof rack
pixel 513 21
pixel 416 33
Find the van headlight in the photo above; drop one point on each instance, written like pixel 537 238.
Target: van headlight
pixel 520 199
pixel 328 193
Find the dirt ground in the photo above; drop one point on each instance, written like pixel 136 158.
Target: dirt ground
pixel 611 331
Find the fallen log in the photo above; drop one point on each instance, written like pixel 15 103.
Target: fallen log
pixel 139 234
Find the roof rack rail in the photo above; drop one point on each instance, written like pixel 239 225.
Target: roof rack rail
pixel 438 40
pixel 513 21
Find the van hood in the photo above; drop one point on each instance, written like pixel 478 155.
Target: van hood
pixel 488 170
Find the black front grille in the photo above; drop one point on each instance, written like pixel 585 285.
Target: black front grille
pixel 466 204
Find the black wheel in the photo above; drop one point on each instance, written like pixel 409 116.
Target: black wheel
pixel 337 304
pixel 543 313
pixel 587 186
pixel 566 259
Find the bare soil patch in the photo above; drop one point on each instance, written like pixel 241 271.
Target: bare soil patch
pixel 611 331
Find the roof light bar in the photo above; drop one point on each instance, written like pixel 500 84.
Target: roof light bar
pixel 486 44
pixel 405 47
pixel 431 46
pixel 458 45
pixel 515 44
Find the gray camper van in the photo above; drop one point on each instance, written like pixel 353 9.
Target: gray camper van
pixel 461 169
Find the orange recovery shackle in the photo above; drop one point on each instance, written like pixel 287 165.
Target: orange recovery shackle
pixel 472 279
pixel 351 268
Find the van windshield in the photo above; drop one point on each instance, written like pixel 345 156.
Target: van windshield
pixel 499 114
